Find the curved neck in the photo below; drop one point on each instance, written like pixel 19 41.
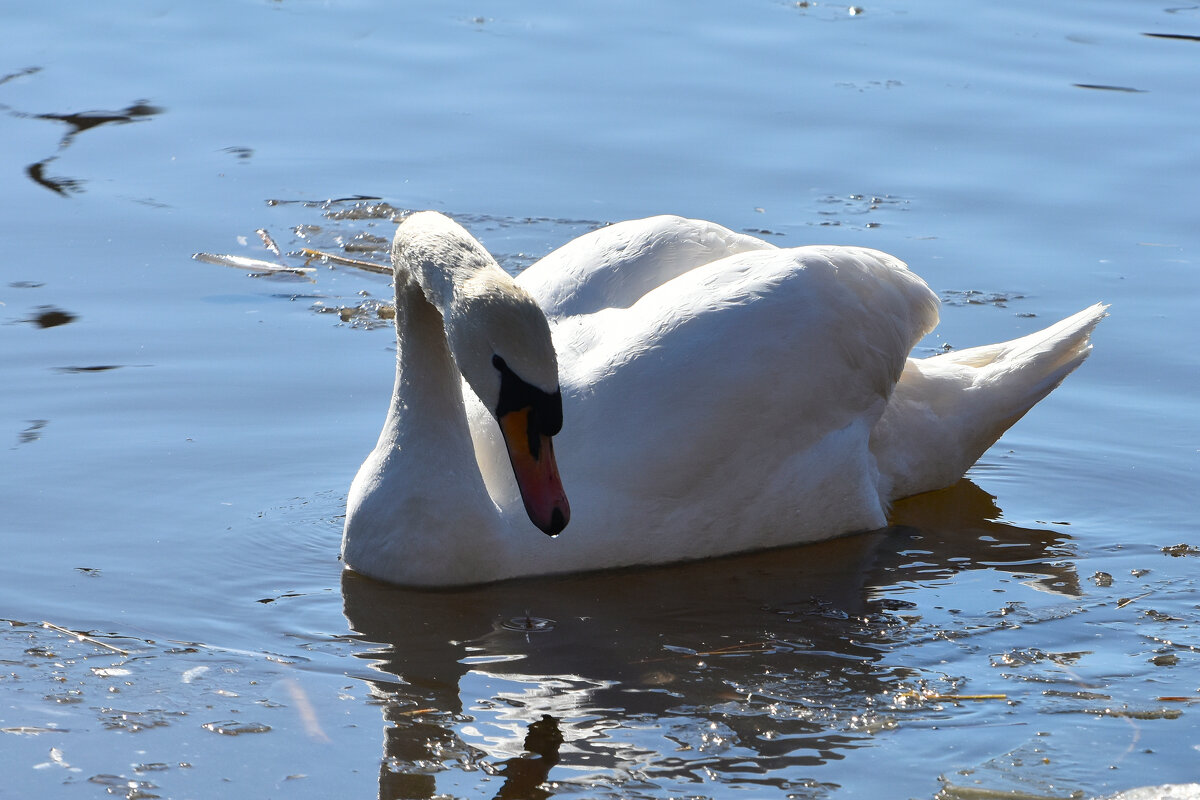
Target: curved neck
pixel 420 511
pixel 439 256
pixel 427 406
pixel 434 507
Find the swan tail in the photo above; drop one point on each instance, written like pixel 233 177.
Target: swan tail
pixel 947 410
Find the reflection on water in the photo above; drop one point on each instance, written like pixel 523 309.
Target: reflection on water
pixel 961 523
pixel 749 671
pixel 51 317
pixel 77 122
pixel 32 432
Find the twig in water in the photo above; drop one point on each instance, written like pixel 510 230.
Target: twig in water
pixel 83 637
pixel 369 266
pixel 951 697
pixel 1124 601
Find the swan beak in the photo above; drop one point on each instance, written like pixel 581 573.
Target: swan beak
pixel 532 457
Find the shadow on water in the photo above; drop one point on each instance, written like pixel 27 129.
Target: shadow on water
pixel 750 670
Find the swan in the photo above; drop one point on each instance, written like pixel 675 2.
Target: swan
pixel 662 390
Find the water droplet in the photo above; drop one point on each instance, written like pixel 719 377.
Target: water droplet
pixel 528 624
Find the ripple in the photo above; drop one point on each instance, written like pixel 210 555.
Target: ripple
pixel 528 624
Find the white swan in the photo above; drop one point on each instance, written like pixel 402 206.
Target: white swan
pixel 715 394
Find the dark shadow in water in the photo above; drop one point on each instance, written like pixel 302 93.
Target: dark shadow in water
pixel 51 317
pixel 32 432
pixel 88 369
pixel 778 655
pixel 76 122
pixel 1104 87
pixel 1185 37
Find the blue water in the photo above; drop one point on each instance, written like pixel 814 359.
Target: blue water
pixel 175 452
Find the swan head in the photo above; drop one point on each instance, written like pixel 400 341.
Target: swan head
pixel 500 341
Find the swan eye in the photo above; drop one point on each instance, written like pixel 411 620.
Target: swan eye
pixel 545 409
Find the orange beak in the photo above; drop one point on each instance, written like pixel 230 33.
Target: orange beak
pixel 532 457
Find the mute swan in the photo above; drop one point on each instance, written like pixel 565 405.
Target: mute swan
pixel 715 394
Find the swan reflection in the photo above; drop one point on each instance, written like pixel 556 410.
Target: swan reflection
pixel 751 671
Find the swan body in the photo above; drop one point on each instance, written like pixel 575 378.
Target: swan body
pixel 715 394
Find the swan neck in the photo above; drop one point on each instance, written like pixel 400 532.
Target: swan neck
pixel 428 384
pixel 428 435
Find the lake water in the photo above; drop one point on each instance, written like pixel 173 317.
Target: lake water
pixel 178 437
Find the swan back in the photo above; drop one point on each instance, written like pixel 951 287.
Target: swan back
pixel 615 266
pixel 731 407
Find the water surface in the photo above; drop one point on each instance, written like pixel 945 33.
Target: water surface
pixel 180 436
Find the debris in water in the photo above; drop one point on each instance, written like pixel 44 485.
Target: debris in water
pixel 235 728
pixel 83 637
pixel 368 266
pixel 191 674
pixel 1126 712
pixel 268 242
pixel 926 695
pixel 255 265
pixel 1124 601
pixel 120 785
pixel 32 730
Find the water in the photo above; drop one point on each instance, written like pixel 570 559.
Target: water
pixel 180 437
